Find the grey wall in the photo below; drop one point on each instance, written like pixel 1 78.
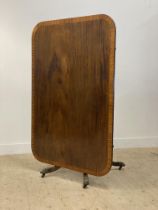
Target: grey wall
pixel 136 94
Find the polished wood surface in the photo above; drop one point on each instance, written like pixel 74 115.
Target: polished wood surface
pixel 72 93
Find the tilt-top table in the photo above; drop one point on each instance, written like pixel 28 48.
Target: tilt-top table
pixel 73 94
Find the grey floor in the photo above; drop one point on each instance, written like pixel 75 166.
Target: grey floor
pixel 134 188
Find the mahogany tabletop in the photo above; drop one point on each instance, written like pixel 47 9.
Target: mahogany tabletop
pixel 73 93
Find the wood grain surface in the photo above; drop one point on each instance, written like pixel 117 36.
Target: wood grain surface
pixel 72 93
